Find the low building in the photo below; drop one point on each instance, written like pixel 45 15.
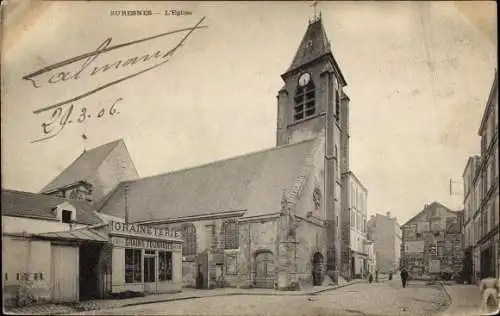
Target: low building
pixel 384 230
pixel 432 243
pixel 61 250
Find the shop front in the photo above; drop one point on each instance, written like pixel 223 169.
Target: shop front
pixel 145 259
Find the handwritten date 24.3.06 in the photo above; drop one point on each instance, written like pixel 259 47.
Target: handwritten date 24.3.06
pixel 63 115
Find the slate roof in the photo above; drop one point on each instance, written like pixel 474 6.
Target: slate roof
pixel 34 205
pixel 83 167
pixel 253 182
pixel 314 44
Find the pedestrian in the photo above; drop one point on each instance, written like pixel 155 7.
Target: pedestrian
pixel 376 276
pixel 404 276
pixel 390 276
pixel 370 278
pixel 490 293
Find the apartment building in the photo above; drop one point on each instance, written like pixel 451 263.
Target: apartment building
pixel 481 218
pixel 359 244
pixel 385 231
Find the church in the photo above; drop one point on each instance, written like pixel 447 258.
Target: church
pixel 267 219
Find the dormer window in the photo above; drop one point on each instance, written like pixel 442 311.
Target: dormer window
pixel 66 216
pixel 304 98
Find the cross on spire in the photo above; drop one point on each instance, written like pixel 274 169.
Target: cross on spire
pixel 315 5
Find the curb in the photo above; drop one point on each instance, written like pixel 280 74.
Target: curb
pixel 334 288
pixel 228 294
pixel 284 293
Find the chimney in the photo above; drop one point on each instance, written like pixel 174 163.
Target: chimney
pixel 388 214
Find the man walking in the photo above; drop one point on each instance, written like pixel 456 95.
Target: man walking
pixel 404 276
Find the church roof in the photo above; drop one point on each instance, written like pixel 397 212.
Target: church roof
pixel 83 167
pixel 34 205
pixel 252 182
pixel 314 44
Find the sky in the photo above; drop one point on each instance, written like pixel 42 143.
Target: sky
pixel 418 74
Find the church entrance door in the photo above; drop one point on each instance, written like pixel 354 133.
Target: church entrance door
pixel 264 269
pixel 317 269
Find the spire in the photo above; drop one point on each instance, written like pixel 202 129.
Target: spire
pixel 314 44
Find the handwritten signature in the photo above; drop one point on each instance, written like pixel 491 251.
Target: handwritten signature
pixel 50 75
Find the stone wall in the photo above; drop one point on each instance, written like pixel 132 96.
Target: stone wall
pixel 25 281
pixel 117 167
pixel 189 274
pixel 311 240
pixel 255 236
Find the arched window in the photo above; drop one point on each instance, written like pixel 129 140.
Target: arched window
pixel 304 101
pixel 189 235
pixel 230 234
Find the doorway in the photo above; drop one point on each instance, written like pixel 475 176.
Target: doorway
pixel 487 264
pixel 64 273
pixel 317 269
pixel 150 271
pixel 264 269
pixel 89 271
pixel 353 268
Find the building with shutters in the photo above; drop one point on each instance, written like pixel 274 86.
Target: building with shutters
pixel 482 213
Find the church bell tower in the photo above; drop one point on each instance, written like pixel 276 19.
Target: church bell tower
pixel 310 104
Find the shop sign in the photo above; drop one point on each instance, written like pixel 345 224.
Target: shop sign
pixel 145 244
pixel 144 230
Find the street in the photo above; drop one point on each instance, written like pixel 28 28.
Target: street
pixel 386 298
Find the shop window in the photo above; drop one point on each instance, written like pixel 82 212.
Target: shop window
pixel 230 231
pixel 189 234
pixel 133 266
pixel 165 266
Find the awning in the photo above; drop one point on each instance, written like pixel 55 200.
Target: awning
pixel 82 234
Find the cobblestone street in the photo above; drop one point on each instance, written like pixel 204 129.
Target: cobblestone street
pixel 386 298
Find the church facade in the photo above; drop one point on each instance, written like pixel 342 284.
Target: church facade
pixel 272 218
pixel 275 218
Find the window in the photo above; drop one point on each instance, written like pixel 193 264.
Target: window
pixel 165 266
pixel 352 195
pixel 189 234
pixel 304 101
pixel 232 264
pixel 133 266
pixel 353 219
pixel 337 106
pixel 66 216
pixel 231 234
